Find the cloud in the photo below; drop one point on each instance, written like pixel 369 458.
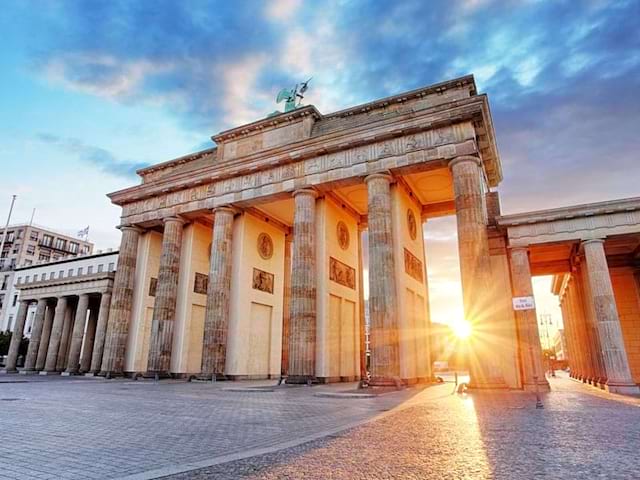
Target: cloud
pixel 96 156
pixel 282 10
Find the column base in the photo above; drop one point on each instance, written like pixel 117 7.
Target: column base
pixel 542 387
pixel 5 371
pixel 489 385
pixel 67 373
pixel 624 389
pixel 111 374
pixel 44 372
pixel 381 381
pixel 301 379
pixel 28 372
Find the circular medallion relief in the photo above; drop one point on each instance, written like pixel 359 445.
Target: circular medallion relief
pixel 343 235
pixel 412 225
pixel 265 246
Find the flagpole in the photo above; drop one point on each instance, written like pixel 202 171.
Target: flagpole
pixel 6 227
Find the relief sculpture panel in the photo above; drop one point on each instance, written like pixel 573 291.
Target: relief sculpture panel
pixel 262 280
pixel 342 273
pixel 413 266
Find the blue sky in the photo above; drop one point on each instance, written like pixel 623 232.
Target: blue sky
pixel 90 90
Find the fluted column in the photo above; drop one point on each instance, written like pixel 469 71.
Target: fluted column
pixel 79 324
pixel 475 269
pixel 164 307
pixel 302 311
pixel 121 303
pixel 615 358
pixel 361 309
pixel 65 338
pixel 45 337
pixel 36 335
pixel 286 306
pixel 527 322
pixel 383 303
pixel 216 322
pixel 16 337
pixel 101 331
pixel 89 338
pixel 56 334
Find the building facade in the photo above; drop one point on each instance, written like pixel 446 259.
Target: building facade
pixel 560 344
pixel 63 308
pixel 29 244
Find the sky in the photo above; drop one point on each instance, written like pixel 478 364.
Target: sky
pixel 92 90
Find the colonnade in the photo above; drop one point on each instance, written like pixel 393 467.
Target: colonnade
pixel 595 343
pixel 301 309
pixel 67 336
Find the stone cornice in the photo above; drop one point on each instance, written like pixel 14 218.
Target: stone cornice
pixel 442 115
pixel 566 213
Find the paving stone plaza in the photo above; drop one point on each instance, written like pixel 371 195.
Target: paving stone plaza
pixel 81 428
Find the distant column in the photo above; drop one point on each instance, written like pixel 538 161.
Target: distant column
pixel 527 321
pixel 216 322
pixel 164 307
pixel 383 303
pixel 361 309
pixel 89 338
pixel 475 268
pixel 56 335
pixel 101 331
pixel 616 362
pixel 302 311
pixel 79 324
pixel 16 337
pixel 65 338
pixel 46 335
pixel 121 303
pixel 36 335
pixel 286 306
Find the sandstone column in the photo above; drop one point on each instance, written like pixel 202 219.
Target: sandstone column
pixel 475 269
pixel 44 339
pixel 164 307
pixel 89 338
pixel 56 334
pixel 286 307
pixel 362 330
pixel 73 362
pixel 302 312
pixel 16 337
pixel 122 302
pixel 65 338
pixel 36 336
pixel 216 322
pixel 101 331
pixel 615 358
pixel 383 306
pixel 527 322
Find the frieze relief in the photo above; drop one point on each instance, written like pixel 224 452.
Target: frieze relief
pixel 200 283
pixel 413 266
pixel 342 273
pixel 262 280
pixel 323 163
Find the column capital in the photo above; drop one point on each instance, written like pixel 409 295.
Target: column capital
pixel 226 209
pixel 518 248
pixel 305 191
pixel 464 158
pixel 176 218
pixel 592 240
pixel 130 227
pixel 379 175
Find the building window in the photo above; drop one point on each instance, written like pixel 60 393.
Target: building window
pixel 11 236
pixel 70 272
pixel 31 249
pixel 85 249
pixel 35 277
pixel 79 270
pixel 47 240
pixel 61 274
pixel 51 275
pixel 89 269
pixel 10 325
pixel 20 233
pixel 27 279
pixel 19 279
pixel 1 301
pixel 100 268
pixel 16 249
pixel 61 244
pixel 111 267
pixel 73 247
pixel 33 236
pixel 5 281
pixel 44 257
pixel 27 263
pixel 15 300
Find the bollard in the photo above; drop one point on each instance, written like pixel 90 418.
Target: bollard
pixel 538 401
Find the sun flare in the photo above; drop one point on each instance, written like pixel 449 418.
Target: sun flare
pixel 462 329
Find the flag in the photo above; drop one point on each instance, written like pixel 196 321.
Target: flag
pixel 84 233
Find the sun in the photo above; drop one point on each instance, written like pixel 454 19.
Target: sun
pixel 462 329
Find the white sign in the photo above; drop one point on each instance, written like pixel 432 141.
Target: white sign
pixel 524 303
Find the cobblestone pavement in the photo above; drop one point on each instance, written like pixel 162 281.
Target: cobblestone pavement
pixel 581 433
pixel 83 428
